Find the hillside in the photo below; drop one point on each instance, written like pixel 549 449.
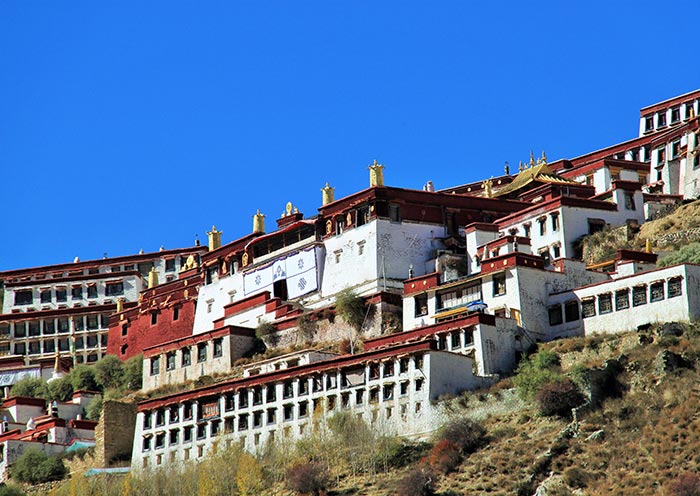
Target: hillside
pixel 637 441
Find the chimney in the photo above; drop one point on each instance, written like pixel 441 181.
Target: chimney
pixel 120 304
pixel 328 194
pixel 259 223
pixel 214 238
pixel 376 175
pixel 152 278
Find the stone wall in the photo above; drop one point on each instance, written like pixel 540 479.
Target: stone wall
pixel 114 434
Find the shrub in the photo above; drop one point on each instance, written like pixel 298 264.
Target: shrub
pixel 109 372
pixel 83 378
pixel 35 467
pixel 558 398
pixel 689 253
pixel 308 478
pixel 351 308
pixel 30 386
pixel 468 435
pixel 60 389
pixel 94 409
pixel 267 331
pixel 133 372
pixel 11 490
pixel 445 456
pixel 576 477
pixel 536 371
pixel 419 481
pixel 687 484
pixel 307 327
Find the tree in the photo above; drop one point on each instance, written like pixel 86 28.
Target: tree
pixel 686 484
pixel 351 308
pixel 536 371
pixel 419 481
pixel 35 466
pixel 11 490
pixel 109 372
pixel 559 397
pixel 32 387
pixel 94 409
pixel 83 378
pixel 60 389
pixel 267 331
pixel 308 478
pixel 133 372
pixel 467 434
pixel 689 253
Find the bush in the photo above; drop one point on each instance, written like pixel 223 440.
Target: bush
pixel 307 327
pixel 94 409
pixel 419 481
pixel 308 478
pixel 576 477
pixel 351 308
pixel 558 398
pixel 445 456
pixel 687 484
pixel 36 467
pixel 30 386
pixel 689 253
pixel 468 435
pixel 133 372
pixel 83 378
pixel 109 372
pixel 60 389
pixel 267 331
pixel 536 371
pixel 11 490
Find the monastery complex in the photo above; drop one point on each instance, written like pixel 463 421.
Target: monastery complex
pixel 454 287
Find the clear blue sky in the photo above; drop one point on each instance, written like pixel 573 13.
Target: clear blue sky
pixel 129 125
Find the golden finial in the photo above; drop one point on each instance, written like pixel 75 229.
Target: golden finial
pixel 289 208
pixel 488 187
pixel 521 167
pixel 376 174
pixel 648 246
pixel 259 223
pixel 532 159
pixel 328 194
pixel 214 238
pixel 544 157
pixel 152 278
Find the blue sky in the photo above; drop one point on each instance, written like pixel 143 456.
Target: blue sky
pixel 131 125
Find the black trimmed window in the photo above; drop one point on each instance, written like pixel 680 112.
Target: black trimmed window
pixel 155 365
pixel 186 357
pixel 24 297
pixel 499 284
pixel 656 291
pixel 675 287
pixel 588 308
pixel 639 296
pixel 605 303
pixel 622 299
pixel 112 289
pixel 218 347
pixel 45 296
pixel 555 315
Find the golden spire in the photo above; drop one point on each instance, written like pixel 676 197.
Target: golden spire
pixel 488 187
pixel 532 159
pixel 259 223
pixel 521 167
pixel 328 194
pixel 544 157
pixel 648 246
pixel 376 174
pixel 214 238
pixel 152 278
pixel 120 304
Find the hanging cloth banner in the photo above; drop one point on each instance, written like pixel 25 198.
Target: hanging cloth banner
pixel 301 262
pixel 303 283
pixel 257 280
pixel 279 270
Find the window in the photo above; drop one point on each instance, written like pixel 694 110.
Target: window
pixel 20 329
pixel 20 348
pixel 257 395
pixel 340 226
pixel 45 296
pixel 61 294
pixel 146 446
pixel 388 369
pixel 288 411
pixel 546 257
pixel 419 384
pixel 361 247
pixel 557 250
pixel 674 287
pixel 543 225
pixel 421 305
pixel 201 431
pixel 63 345
pixel 661 155
pixel 675 114
pixel 79 343
pixel 170 265
pixel 588 308
pixel 93 322
pixel 359 396
pixel 34 328
pixel 49 327
pixel 394 213
pixel 303 409
pixel 174 414
pixel 526 230
pixel 170 361
pixel 160 418
pixel 78 323
pixel 49 346
pixel 155 366
pixel 243 399
pixel 661 121
pixel 186 357
pixel 629 201
pixel 114 288
pixel 622 299
pixel 639 295
pixel 499 284
pixel 176 312
pixel 403 365
pixel 187 434
pixel 403 388
pixel 605 303
pixel 555 221
pixel 243 422
pixel 656 291
pixel 288 390
pixel 303 386
pixel 362 216
pixel 202 352
pixel 388 391
pixel 174 436
pixel 187 411
pixel 675 149
pixel 218 347
pixel 649 124
pixel 24 297
pixel 555 315
pixel 76 292
pixel 92 291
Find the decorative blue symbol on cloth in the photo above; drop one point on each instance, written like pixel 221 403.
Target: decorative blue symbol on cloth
pixel 279 271
pixel 302 283
pixel 257 280
pixel 300 263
